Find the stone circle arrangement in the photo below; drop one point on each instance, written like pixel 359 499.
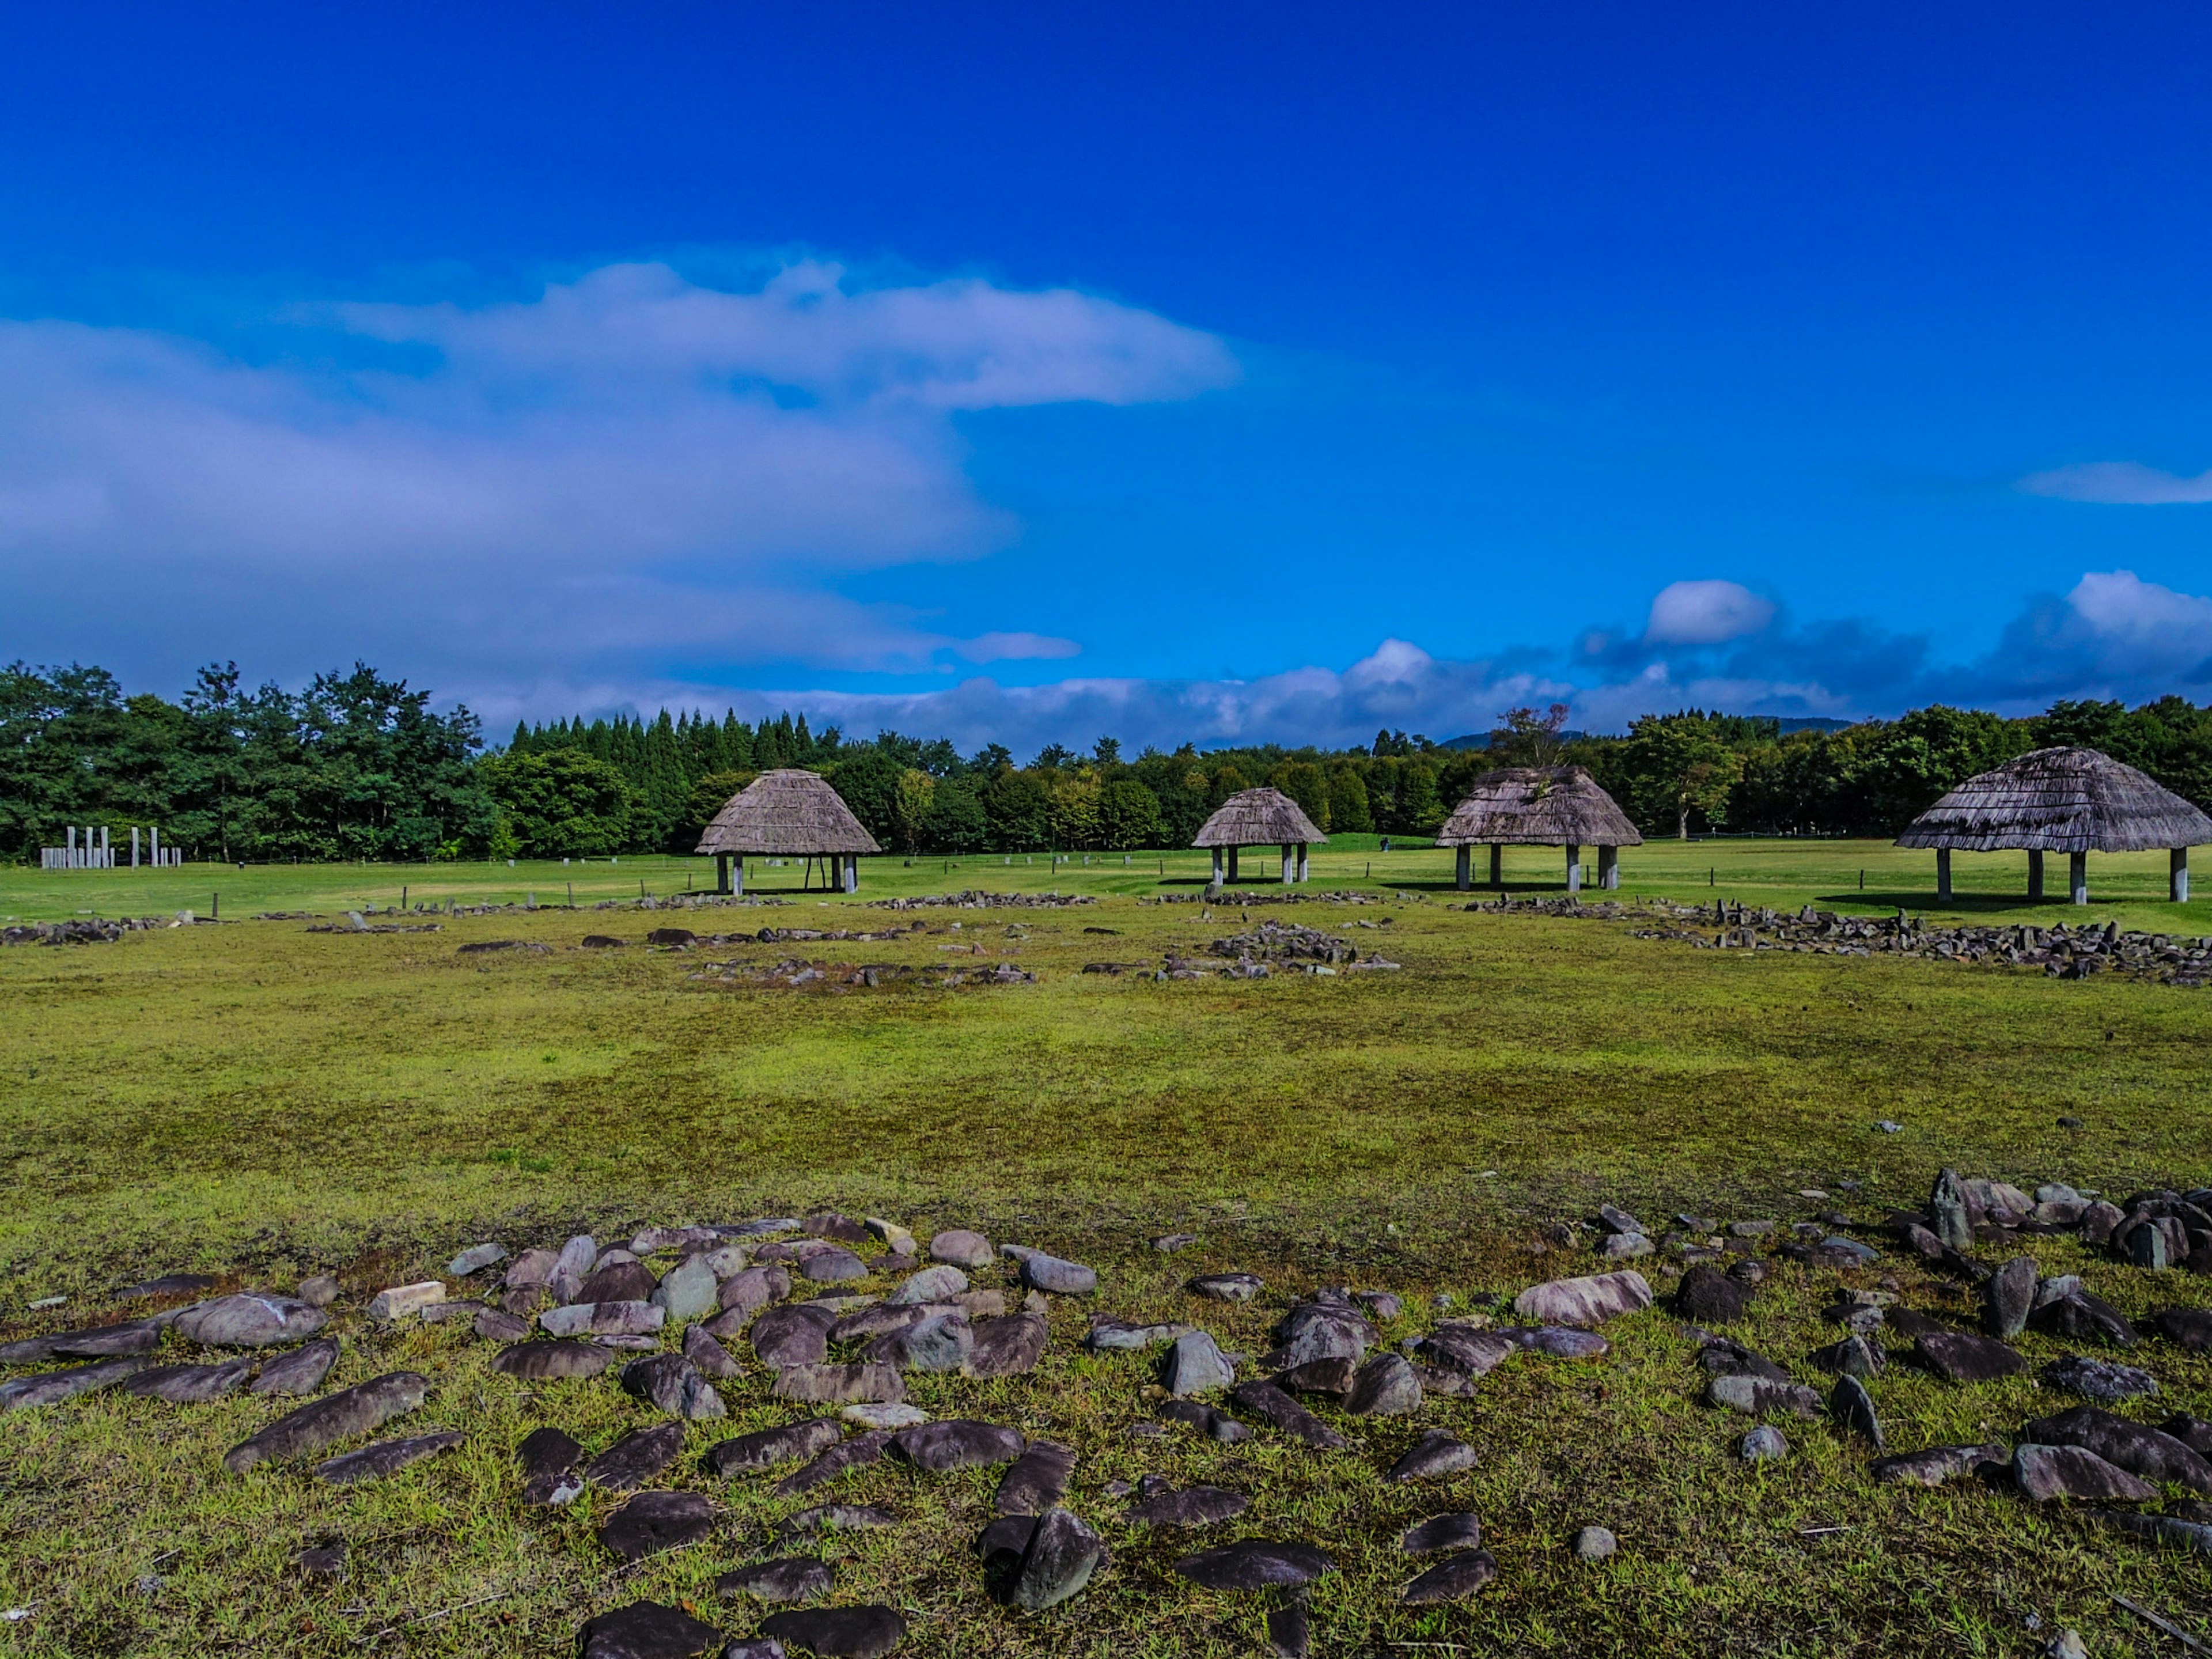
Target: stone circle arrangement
pixel 835 1314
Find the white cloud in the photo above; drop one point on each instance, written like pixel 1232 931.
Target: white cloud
pixel 2120 483
pixel 1705 613
pixel 1009 647
pixel 627 468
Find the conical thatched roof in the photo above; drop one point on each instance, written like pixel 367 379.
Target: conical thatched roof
pixel 2060 800
pixel 1259 818
pixel 787 813
pixel 1539 806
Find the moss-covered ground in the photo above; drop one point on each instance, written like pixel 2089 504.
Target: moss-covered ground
pixel 261 1102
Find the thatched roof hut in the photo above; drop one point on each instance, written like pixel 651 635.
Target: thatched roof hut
pixel 1260 818
pixel 787 814
pixel 1539 807
pixel 2075 801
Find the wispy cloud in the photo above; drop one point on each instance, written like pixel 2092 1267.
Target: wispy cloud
pixel 624 470
pixel 2120 483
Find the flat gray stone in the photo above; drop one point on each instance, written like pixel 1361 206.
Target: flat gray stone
pixel 855 1452
pixel 497 1325
pixel 1269 1403
pixel 645 1629
pixel 2151 1453
pixel 1254 1564
pixel 1585 1302
pixel 936 1284
pixel 384 1458
pixel 1460 1531
pixel 189 1385
pixel 1007 1347
pixel 2099 1379
pixel 476 1259
pixel 345 1415
pixel 856 1632
pixel 552 1463
pixel 838 1517
pixel 1935 1466
pixel 51 1388
pixel 1054 1277
pixel 1193 1364
pixel 834 1265
pixel 957 1247
pixel 1193 1506
pixel 1434 1453
pixel 1757 1396
pixel 794 1335
pixel 546 1362
pixel 1448 1581
pixel 934 1343
pixel 787 1578
pixel 1063 1554
pixel 250 1321
pixel 1038 1480
pixel 956 1443
pixel 1228 1287
pixel 765 1448
pixel 1595 1544
pixel 839 1385
pixel 632 1318
pixel 1386 1386
pixel 654 1522
pixel 689 1290
pixel 1963 1357
pixel 1764 1444
pixel 635 1458
pixel 710 1357
pixel 2044 1472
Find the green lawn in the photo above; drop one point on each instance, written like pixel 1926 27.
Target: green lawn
pixel 263 1102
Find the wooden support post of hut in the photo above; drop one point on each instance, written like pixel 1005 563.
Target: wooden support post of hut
pixel 786 814
pixel 1557 806
pixel 2075 801
pixel 1260 817
pixel 1461 868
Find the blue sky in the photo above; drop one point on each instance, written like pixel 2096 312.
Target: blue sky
pixel 1238 371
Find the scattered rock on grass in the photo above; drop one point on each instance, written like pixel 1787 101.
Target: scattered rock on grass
pixel 1228 1287
pixel 1193 1364
pixel 1595 1544
pixel 551 1460
pixel 1434 1453
pixel 545 1362
pixel 1038 1480
pixel 2099 1379
pixel 1265 1400
pixel 765 1448
pixel 673 1384
pixel 1447 1581
pixel 2154 1454
pixel 956 1443
pixel 1963 1357
pixel 189 1385
pixel 2044 1472
pixel 652 1521
pixel 1585 1302
pixel 51 1388
pixel 645 1629
pixel 1933 1465
pixel 341 1416
pixel 1764 1444
pixel 385 1457
pixel 1193 1506
pixel 1255 1564
pixel 250 1321
pixel 635 1458
pixel 856 1632
pixel 1063 1554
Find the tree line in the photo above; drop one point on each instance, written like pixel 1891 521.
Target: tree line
pixel 358 766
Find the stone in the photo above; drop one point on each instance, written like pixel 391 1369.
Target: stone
pixel 2151 1453
pixel 101 1342
pixel 795 1335
pixel 1254 1564
pixel 1935 1465
pixel 547 1362
pixel 1227 1287
pixel 832 1266
pixel 1711 1298
pixel 1463 1348
pixel 1963 1357
pixel 2099 1221
pixel 839 1385
pixel 1050 1273
pixel 1595 1544
pixel 1764 1444
pixel 1386 1386
pixel 635 1458
pixel 1434 1453
pixel 1320 1330
pixel 1169 1243
pixel 1193 1506
pixel 879 1318
pixel 957 1246
pixel 937 1342
pixel 476 1259
pixel 2044 1472
pixel 319 1291
pixel 617 1281
pixel 2009 1297
pixel 2084 1318
pixel 708 1356
pixel 602 1319
pixel 1721 1357
pixel 2099 1379
pixel 551 1461
pixel 883 1416
pixel 51 1388
pixel 1759 1396
pixel 830 1224
pixel 385 1457
pixel 299 1372
pixel 753 1288
pixel 1118 1336
pixel 765 1448
pixel 787 1578
pixel 1441 1532
pixel 1007 1347
pixel 956 1443
pixel 1953 1211
pixel 859 1452
pixel 673 1384
pixel 1267 1402
pixel 322 1560
pixel 645 1629
pixel 930 1285
pixel 1625 1247
pixel 341 1416
pixel 1585 1302
pixel 1617 1221
pixel 2191 1431
pixel 653 1522
pixel 530 1267
pixel 404 1300
pixel 189 1385
pixel 1063 1554
pixel 854 1632
pixel 1851 1409
pixel 1038 1480
pixel 1855 1356
pixel 497 1325
pixel 1193 1364
pixel 1331 1376
pixel 1750 1229
pixel 2187 1328
pixel 168 1285
pixel 1450 1580
pixel 689 1290
pixel 573 1266
pixel 1218 1425
pixel 250 1321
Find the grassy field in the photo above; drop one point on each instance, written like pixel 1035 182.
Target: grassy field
pixel 263 1102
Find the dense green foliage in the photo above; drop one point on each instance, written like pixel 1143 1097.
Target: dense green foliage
pixel 358 767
